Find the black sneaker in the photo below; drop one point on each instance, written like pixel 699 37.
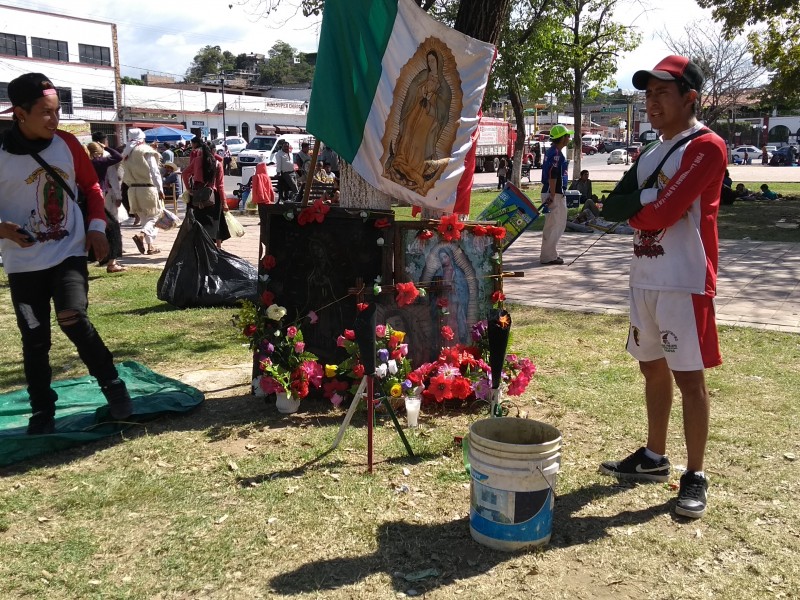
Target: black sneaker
pixel 692 497
pixel 41 424
pixel 120 405
pixel 638 467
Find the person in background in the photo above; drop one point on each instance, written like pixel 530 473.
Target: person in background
pixel 167 155
pixel 172 180
pixel 205 170
pixel 105 159
pixel 284 166
pixel 502 174
pixel 584 186
pixel 227 159
pixel 44 243
pixel 554 182
pixel 329 156
pixel 671 198
pixel 303 160
pixel 764 155
pixel 145 188
pixel 768 194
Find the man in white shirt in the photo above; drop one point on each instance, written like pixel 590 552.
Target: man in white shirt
pixel 284 167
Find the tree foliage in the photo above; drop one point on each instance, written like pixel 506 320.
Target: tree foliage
pixel 726 63
pixel 130 80
pixel 775 43
pixel 285 66
pixel 210 60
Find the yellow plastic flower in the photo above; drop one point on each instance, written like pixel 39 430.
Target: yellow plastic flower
pixel 330 370
pixel 396 391
pixel 399 336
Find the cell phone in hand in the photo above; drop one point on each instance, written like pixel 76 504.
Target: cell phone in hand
pixel 28 235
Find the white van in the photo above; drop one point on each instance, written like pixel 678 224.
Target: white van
pixel 591 139
pixel 262 148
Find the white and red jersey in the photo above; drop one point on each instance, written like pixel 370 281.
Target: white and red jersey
pixel 676 245
pixel 30 198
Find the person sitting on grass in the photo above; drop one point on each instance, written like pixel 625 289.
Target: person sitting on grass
pixel 768 194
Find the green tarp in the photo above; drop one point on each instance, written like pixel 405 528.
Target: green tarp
pixel 81 410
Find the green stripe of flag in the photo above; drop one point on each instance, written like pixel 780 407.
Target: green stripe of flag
pixel 352 43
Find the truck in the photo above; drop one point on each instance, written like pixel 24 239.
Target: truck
pixel 496 139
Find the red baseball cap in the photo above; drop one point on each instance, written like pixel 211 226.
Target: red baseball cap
pixel 672 68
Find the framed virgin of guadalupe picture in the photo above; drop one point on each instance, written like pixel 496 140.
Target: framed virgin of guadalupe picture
pixel 459 277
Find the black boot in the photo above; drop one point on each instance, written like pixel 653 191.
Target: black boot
pixel 43 405
pixel 120 405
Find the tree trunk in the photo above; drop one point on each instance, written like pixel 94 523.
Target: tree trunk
pixel 355 192
pixel 482 19
pixel 577 106
pixel 519 144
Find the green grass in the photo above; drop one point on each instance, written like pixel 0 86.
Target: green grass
pixel 237 501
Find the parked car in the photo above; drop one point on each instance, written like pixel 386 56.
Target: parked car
pixel 752 152
pixel 235 144
pixel 617 157
pixel 610 146
pixel 588 149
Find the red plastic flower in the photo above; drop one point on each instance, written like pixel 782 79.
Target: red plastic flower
pixel 461 388
pixel 268 262
pixel 440 388
pixel 382 223
pixel 406 293
pixel 267 298
pixel 349 334
pixel 447 332
pixel 250 330
pixel 358 370
pixel 315 212
pixel 425 234
pixel 479 231
pixel 362 306
pixel 498 233
pixel 450 228
pixel 442 302
pixel 498 296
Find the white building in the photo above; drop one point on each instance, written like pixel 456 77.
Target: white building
pixel 78 55
pixel 201 111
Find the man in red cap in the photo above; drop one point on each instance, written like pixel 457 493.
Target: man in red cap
pixel 671 197
pixel 44 243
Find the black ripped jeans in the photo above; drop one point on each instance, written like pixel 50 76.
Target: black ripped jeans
pixel 67 285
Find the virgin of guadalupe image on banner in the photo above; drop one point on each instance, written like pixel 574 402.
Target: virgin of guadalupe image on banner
pixel 423 118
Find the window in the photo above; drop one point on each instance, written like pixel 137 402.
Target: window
pixel 94 55
pixel 4 92
pixel 98 99
pixel 13 44
pixel 50 49
pixel 65 97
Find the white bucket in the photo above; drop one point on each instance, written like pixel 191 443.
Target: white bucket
pixel 513 467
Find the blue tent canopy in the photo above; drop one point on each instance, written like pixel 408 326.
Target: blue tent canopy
pixel 167 134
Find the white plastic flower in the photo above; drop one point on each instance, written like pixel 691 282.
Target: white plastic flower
pixel 392 365
pixel 380 371
pixel 275 312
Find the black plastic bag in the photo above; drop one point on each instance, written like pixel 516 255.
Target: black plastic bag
pixel 198 274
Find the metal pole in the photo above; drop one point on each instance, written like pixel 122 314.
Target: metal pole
pixel 224 128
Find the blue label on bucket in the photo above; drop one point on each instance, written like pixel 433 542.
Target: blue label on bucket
pixel 478 475
pixel 511 516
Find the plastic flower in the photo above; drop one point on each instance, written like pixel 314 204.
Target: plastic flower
pixel 330 370
pixel 450 228
pixel 358 370
pixel 340 341
pixel 299 347
pixel 381 370
pixel 425 234
pixel 349 335
pixel 362 306
pixel 380 330
pixel 396 391
pixel 497 297
pixel 479 230
pixel 447 332
pixel 275 312
pixel 312 317
pixel 337 399
pixel 440 388
pixel 399 336
pixel 383 355
pixel 382 223
pixel 268 262
pixel 267 298
pixel 250 330
pixel 291 331
pixel 406 293
pixel 392 366
pixel 315 212
pixel 498 232
pixel 461 388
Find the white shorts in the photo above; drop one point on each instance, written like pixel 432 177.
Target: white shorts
pixel 677 326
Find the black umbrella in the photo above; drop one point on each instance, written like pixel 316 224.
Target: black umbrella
pixel 499 329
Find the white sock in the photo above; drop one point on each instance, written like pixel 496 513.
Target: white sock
pixel 652 455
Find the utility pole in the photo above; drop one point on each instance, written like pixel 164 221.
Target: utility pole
pixel 224 128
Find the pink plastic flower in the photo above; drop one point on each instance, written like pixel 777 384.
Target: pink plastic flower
pixel 380 331
pixel 299 347
pixel 291 331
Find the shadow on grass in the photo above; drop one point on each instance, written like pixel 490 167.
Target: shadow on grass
pixel 407 548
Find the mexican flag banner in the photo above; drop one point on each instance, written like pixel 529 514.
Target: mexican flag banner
pixel 396 94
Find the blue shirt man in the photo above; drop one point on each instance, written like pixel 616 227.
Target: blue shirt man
pixel 554 182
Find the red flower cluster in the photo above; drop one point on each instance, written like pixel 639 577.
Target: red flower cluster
pixel 315 212
pixel 495 231
pixel 450 228
pixel 497 297
pixel 406 293
pixel 451 377
pixel 268 262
